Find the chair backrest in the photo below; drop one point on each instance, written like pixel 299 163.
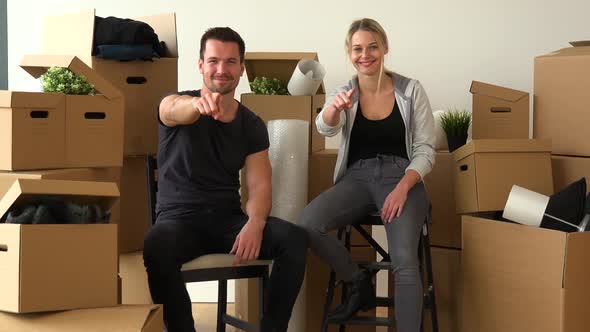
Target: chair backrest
pixel 151 165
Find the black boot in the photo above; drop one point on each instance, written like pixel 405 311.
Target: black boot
pixel 361 297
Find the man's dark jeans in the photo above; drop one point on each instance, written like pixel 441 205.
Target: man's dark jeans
pixel 181 235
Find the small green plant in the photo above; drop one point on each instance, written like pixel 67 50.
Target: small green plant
pixel 63 80
pixel 262 85
pixel 455 123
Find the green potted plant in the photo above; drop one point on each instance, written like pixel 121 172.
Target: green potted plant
pixel 455 123
pixel 262 85
pixel 63 80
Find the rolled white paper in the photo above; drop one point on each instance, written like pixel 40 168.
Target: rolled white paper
pixel 525 206
pixel 306 78
pixel 288 155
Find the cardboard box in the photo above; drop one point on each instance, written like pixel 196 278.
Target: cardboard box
pixel 93 123
pixel 134 282
pixel 446 266
pixel 134 222
pixel 58 267
pixel 106 174
pixel 569 169
pixel 281 65
pixel 486 170
pixel 499 112
pixel 445 229
pixel 143 83
pixel 321 171
pixel 33 122
pixel 522 278
pixel 128 318
pixel 561 83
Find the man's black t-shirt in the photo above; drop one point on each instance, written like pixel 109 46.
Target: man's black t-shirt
pixel 199 164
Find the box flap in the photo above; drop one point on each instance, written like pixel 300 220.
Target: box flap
pixel 73 33
pixel 30 99
pixel 577 269
pixel 579 50
pixel 502 145
pixel 36 65
pixel 576 276
pixel 579 43
pixel 165 27
pixel 121 318
pixel 496 91
pixel 69 34
pixel 279 65
pixel 22 190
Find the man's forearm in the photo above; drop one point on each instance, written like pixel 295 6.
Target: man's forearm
pixel 259 204
pixel 179 111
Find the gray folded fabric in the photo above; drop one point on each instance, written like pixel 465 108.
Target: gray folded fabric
pixel 51 210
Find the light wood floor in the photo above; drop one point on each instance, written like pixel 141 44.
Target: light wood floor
pixel 205 317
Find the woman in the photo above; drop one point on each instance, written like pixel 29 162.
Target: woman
pixel 386 150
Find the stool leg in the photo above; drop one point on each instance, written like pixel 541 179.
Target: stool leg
pixel 430 278
pixel 262 284
pixel 221 305
pixel 330 292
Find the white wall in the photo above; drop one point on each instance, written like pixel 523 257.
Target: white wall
pixel 445 44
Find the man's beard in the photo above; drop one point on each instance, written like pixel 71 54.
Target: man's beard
pixel 224 90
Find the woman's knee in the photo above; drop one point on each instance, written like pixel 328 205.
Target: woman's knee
pixel 404 258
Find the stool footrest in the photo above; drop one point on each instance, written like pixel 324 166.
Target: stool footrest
pixel 382 301
pixel 369 321
pixel 375 266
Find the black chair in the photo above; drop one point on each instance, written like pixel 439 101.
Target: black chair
pixel 375 266
pixel 214 266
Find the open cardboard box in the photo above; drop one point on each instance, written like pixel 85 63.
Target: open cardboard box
pixel 94 124
pixel 47 267
pixel 143 83
pixel 127 318
pixel 486 169
pixel 523 278
pixel 49 130
pixel 561 103
pixel 281 65
pixel 499 112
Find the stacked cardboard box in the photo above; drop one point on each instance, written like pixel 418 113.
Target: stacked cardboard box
pixel 48 138
pixel 507 267
pixel 480 175
pixel 142 84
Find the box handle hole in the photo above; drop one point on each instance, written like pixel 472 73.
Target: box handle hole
pixel 3 248
pixel 39 114
pixel 95 115
pixel 501 109
pixel 463 168
pixel 136 80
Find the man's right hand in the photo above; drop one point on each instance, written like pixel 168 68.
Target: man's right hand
pixel 343 100
pixel 209 104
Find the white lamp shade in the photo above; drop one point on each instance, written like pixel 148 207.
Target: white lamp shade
pixel 306 78
pixel 525 206
pixel 439 133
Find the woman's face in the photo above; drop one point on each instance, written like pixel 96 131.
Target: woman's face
pixel 365 54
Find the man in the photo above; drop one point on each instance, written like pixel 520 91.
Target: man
pixel 206 137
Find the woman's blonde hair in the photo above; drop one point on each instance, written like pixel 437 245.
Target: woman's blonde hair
pixel 372 26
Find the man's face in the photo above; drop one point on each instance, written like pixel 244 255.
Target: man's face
pixel 221 67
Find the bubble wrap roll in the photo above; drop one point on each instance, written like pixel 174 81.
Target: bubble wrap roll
pixel 288 152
